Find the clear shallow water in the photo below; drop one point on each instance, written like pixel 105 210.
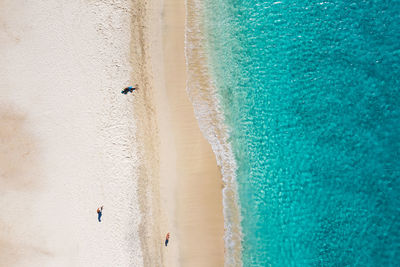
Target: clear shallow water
pixel 310 93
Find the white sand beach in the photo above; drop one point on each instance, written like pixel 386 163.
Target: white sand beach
pixel 71 142
pixel 68 140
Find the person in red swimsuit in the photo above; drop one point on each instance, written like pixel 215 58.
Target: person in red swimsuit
pixel 167 239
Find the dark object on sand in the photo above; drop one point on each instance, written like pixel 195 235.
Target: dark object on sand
pixel 167 239
pixel 99 213
pixel 127 90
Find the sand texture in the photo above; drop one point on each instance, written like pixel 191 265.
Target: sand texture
pixel 190 181
pixel 67 136
pixel 71 142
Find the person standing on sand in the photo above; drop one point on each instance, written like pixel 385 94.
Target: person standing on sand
pixel 99 213
pixel 167 239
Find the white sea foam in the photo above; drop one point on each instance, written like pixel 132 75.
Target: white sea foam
pixel 204 97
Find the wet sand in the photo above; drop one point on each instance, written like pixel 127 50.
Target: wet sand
pixel 190 181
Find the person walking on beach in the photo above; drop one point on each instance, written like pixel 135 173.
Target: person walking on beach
pixel 129 89
pixel 167 239
pixel 99 213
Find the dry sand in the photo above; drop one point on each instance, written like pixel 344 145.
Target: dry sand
pixel 67 137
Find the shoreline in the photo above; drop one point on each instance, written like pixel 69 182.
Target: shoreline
pixel 203 94
pixel 190 185
pixel 199 217
pixel 199 210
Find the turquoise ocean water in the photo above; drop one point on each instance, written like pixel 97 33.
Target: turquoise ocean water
pixel 310 94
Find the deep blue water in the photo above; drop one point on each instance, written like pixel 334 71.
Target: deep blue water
pixel 310 91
